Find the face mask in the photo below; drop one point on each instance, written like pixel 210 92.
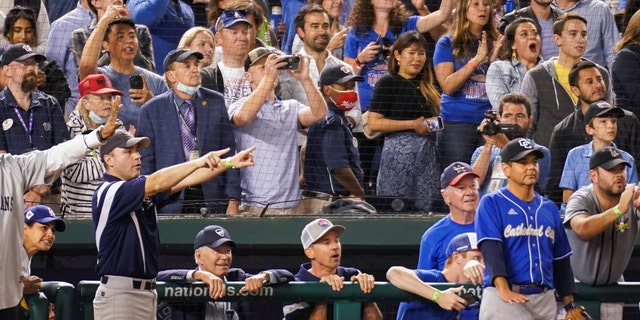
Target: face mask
pixel 346 99
pixel 187 89
pixel 96 118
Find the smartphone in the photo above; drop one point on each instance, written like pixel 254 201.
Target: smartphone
pixel 435 123
pixel 135 82
pixel 471 299
pixel 293 63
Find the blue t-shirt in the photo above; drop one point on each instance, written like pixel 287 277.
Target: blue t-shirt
pixel 575 173
pixel 433 245
pixel 469 103
pixel 373 70
pixel 419 310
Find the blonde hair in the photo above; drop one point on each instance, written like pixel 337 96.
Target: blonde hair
pixel 83 111
pixel 191 34
pixel 631 35
pixel 461 36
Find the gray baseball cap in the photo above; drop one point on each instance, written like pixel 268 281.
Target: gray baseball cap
pixel 317 228
pixel 123 139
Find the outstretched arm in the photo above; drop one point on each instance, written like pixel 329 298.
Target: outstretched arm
pixel 407 280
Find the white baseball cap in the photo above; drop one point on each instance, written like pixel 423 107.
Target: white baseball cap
pixel 317 228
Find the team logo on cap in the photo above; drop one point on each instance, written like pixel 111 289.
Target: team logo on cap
pixel 459 168
pixel 603 104
pixel 27 48
pixel 525 143
pixel 324 223
pixel 344 69
pixel 614 153
pixel 220 232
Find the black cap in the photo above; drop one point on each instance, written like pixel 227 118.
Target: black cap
pixel 519 148
pixel 338 73
pixel 179 55
pixel 600 109
pixel 454 172
pixel 123 139
pixel 212 236
pixel 19 52
pixel 257 54
pixel 607 158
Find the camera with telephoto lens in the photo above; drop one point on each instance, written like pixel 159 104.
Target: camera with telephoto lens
pixel 493 126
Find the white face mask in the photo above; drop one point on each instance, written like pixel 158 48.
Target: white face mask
pixel 96 118
pixel 187 89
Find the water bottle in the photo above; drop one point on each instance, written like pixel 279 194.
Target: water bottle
pixel 276 17
pixel 509 6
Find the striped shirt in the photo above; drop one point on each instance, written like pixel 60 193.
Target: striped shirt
pixel 80 179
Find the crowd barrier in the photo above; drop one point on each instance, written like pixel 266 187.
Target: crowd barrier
pixel 346 302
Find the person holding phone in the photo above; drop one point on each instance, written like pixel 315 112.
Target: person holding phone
pixel 403 104
pixel 271 124
pixel 464 261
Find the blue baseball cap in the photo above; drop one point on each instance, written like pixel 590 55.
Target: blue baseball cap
pixel 43 214
pixel 180 55
pixel 212 236
pixel 462 243
pixel 230 17
pixel 454 172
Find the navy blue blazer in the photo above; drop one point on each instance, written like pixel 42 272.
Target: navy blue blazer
pixel 159 121
pixel 243 308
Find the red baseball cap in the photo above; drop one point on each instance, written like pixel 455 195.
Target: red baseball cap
pixel 96 84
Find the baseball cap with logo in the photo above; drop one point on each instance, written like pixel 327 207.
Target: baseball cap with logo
pixel 257 54
pixel 19 52
pixel 123 139
pixel 338 73
pixel 212 236
pixel 43 214
pixel 230 17
pixel 96 84
pixel 179 55
pixel 607 158
pixel 600 109
pixel 462 243
pixel 317 228
pixel 454 172
pixel 519 148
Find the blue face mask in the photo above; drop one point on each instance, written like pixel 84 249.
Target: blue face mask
pixel 96 118
pixel 187 89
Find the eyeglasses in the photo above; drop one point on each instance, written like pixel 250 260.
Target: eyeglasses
pixel 235 13
pixel 18 10
pixel 28 63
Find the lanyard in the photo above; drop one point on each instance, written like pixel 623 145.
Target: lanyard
pixel 24 125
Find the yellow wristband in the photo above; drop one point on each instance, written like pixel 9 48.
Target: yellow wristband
pixel 616 210
pixel 435 296
pixel 227 163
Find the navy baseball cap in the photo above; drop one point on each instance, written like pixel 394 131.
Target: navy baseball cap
pixel 462 243
pixel 43 214
pixel 519 148
pixel 230 17
pixel 179 55
pixel 338 73
pixel 212 236
pixel 19 52
pixel 607 158
pixel 123 139
pixel 454 172
pixel 317 228
pixel 600 109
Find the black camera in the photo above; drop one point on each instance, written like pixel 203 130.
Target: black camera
pixel 493 126
pixel 293 63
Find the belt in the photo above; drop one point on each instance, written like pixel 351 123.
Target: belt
pixel 128 283
pixel 529 288
pixel 317 195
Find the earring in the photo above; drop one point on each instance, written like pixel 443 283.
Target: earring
pixel 514 56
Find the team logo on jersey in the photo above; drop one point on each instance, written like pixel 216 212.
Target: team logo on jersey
pixel 7 124
pixel 220 232
pixel 525 143
pixel 46 126
pixel 512 212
